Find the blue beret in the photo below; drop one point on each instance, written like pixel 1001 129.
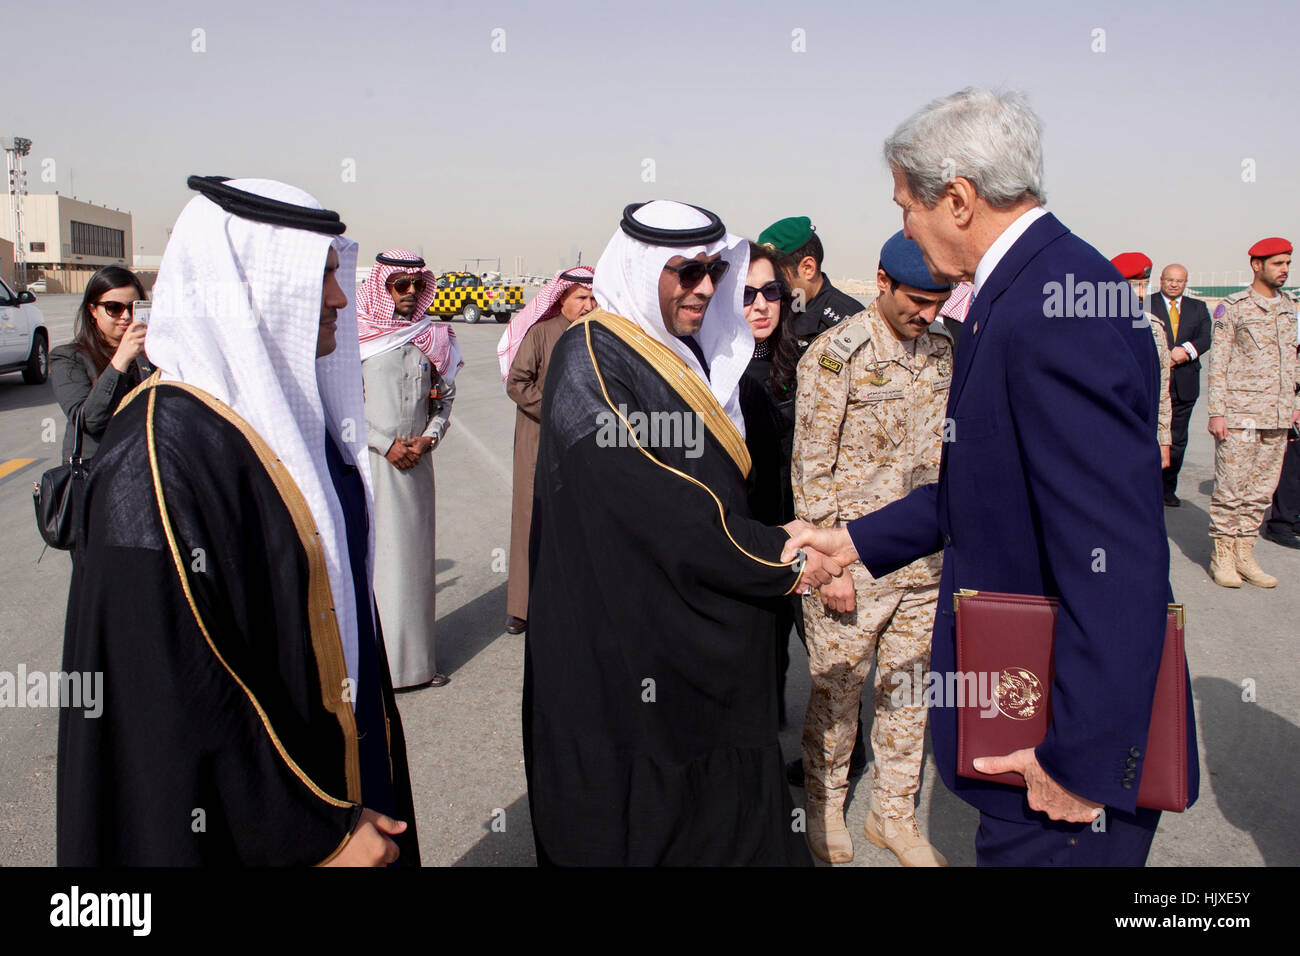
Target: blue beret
pixel 901 258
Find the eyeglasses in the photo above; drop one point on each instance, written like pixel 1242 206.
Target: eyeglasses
pixel 771 291
pixel 692 274
pixel 402 286
pixel 115 309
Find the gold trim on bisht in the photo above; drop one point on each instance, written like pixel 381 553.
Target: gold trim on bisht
pixel 327 645
pixel 683 380
pixel 722 514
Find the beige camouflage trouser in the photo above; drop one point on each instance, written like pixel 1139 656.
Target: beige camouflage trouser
pixel 892 626
pixel 1245 476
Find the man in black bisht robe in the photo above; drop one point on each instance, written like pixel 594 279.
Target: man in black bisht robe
pixel 650 724
pixel 223 586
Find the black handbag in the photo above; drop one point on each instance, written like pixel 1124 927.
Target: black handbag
pixel 58 495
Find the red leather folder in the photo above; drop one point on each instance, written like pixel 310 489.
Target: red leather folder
pixel 1010 635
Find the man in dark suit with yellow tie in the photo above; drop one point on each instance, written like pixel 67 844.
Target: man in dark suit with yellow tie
pixel 1187 327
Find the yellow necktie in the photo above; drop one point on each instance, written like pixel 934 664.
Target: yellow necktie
pixel 1173 320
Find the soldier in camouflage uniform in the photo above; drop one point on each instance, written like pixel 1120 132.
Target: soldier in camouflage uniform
pixel 818 305
pixel 868 429
pixel 1136 268
pixel 1253 402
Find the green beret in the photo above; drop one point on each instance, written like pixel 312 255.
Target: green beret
pixel 787 235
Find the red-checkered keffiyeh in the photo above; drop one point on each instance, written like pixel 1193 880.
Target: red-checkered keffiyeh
pixel 958 303
pixel 377 318
pixel 544 305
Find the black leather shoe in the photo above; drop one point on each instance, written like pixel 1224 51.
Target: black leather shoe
pixel 439 680
pixel 1280 537
pixel 516 625
pixel 1172 500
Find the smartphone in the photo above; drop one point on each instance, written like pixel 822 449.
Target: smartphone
pixel 140 311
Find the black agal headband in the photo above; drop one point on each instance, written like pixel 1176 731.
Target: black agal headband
pixel 582 277
pixel 655 236
pixel 273 212
pixel 416 263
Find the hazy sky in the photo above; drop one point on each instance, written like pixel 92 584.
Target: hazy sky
pixel 533 151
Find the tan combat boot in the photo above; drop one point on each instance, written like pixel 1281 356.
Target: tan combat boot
pixel 1249 568
pixel 903 837
pixel 828 837
pixel 1223 564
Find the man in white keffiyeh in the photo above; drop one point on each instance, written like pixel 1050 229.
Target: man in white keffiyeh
pixel 233 494
pixel 650 724
pixel 409 365
pixel 639 277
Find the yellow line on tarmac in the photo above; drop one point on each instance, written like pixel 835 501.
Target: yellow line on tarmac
pixel 13 464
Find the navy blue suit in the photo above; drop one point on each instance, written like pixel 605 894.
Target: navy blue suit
pixel 1053 475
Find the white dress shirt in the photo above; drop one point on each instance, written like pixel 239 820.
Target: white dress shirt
pixel 1002 245
pixel 1187 347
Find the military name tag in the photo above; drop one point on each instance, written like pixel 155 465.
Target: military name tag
pixel 871 395
pixel 834 365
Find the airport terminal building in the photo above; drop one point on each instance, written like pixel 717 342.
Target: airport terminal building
pixel 68 239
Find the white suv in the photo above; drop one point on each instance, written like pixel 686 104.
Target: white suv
pixel 24 341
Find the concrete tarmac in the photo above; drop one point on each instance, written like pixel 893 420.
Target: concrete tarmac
pixel 463 740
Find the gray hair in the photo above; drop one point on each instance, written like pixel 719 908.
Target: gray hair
pixel 991 139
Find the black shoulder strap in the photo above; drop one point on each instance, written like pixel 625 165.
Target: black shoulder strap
pixel 78 422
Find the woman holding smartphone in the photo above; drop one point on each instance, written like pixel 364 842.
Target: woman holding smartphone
pixel 95 371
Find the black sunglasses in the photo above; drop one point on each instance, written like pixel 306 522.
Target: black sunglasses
pixel 692 274
pixel 772 291
pixel 401 286
pixel 115 309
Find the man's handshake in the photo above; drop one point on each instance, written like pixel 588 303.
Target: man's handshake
pixel 829 551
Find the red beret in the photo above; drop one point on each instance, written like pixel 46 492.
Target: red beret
pixel 1132 265
pixel 1274 246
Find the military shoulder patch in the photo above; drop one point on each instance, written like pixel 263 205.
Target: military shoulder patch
pixel 1220 310
pixel 846 339
pixel 834 365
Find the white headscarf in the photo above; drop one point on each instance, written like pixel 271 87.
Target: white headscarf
pixel 627 284
pixel 236 312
